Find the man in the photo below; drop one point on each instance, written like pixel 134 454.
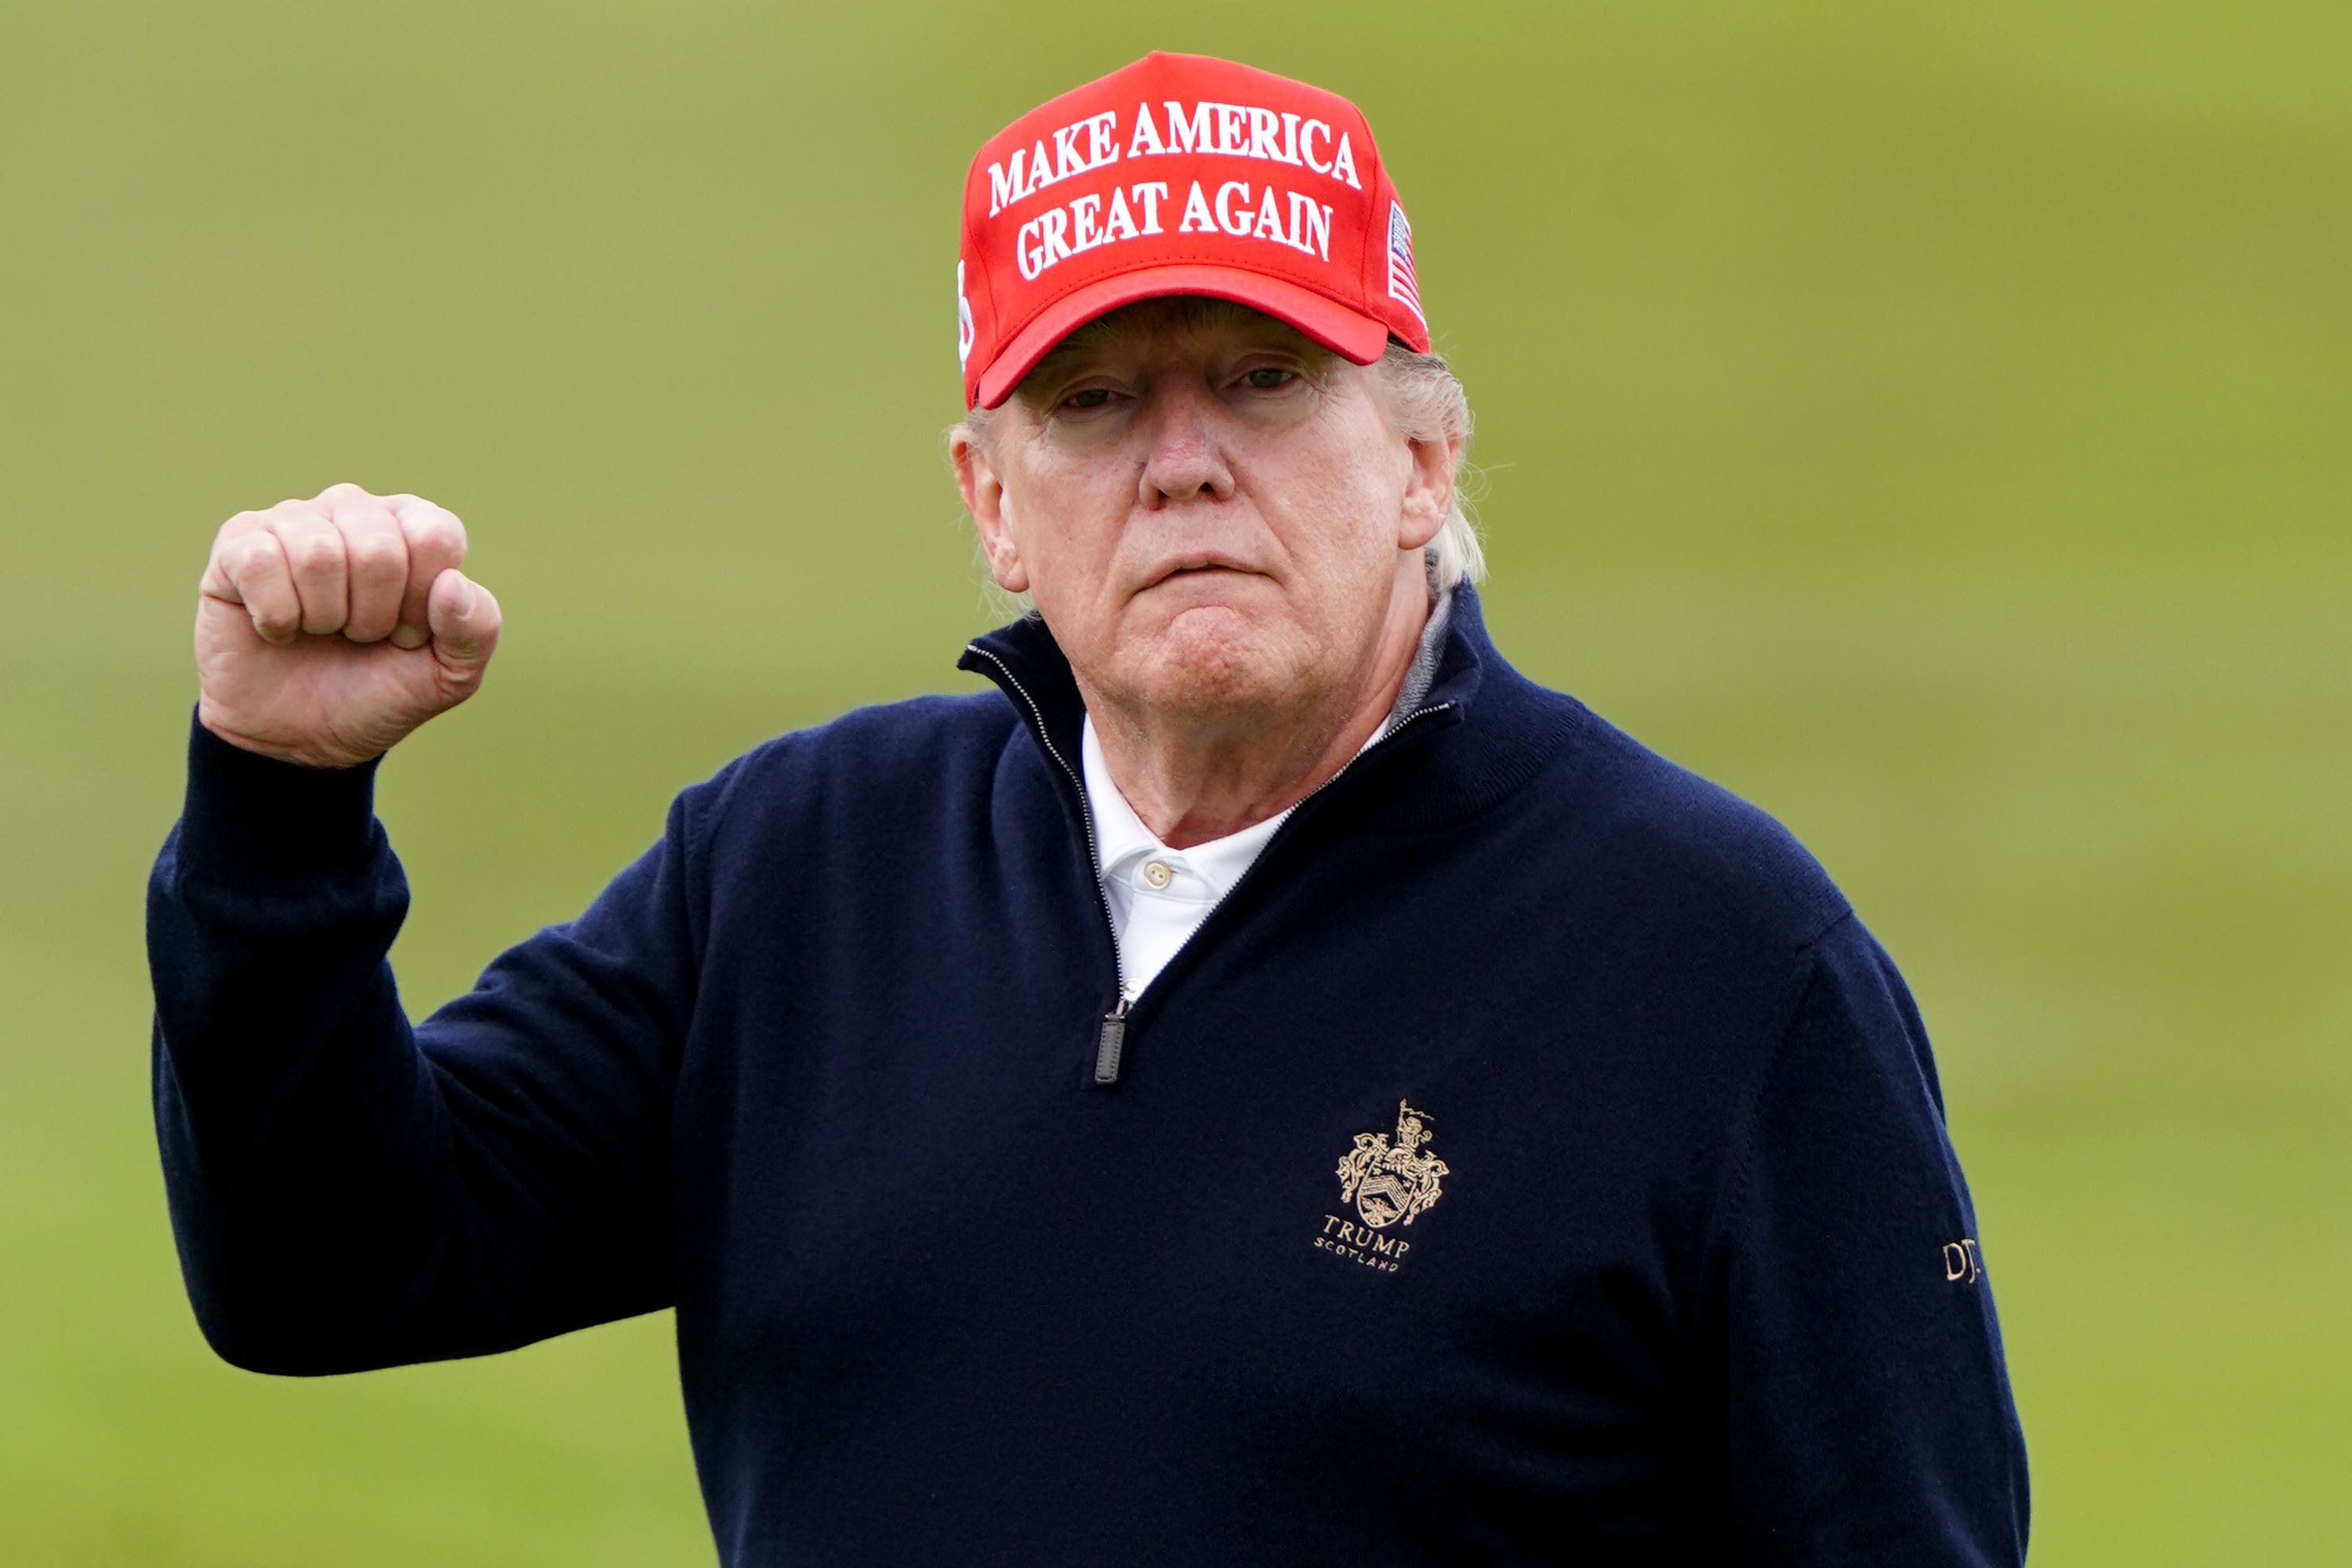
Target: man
pixel 1266 1084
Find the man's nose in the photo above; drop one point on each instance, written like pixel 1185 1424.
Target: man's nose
pixel 1183 458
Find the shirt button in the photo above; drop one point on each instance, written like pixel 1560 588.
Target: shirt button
pixel 1157 873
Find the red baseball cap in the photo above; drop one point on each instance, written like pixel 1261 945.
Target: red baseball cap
pixel 1181 174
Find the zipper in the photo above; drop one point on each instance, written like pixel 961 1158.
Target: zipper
pixel 1114 1023
pixel 1110 1044
pixel 1114 1033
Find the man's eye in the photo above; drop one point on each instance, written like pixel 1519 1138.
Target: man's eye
pixel 1092 397
pixel 1269 378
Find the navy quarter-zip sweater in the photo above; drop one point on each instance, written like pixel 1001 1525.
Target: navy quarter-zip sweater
pixel 1532 1161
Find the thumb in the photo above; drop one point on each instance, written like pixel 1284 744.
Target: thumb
pixel 464 620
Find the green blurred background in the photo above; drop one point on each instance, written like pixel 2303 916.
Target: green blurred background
pixel 1935 422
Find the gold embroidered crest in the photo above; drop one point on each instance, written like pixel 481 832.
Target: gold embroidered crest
pixel 1392 1183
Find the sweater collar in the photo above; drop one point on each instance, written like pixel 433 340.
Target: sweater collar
pixel 1030 667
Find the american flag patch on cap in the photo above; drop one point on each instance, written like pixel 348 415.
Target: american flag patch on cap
pixel 1403 284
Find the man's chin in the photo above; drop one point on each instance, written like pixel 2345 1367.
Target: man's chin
pixel 1212 659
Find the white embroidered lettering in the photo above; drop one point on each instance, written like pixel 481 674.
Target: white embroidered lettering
pixel 1263 124
pixel 1310 225
pixel 1236 224
pixel 1084 234
pixel 1102 138
pixel 1150 193
pixel 1269 221
pixel 1343 163
pixel 1196 207
pixel 1306 145
pixel 1121 223
pixel 1233 128
pixel 1004 184
pixel 1144 143
pixel 1189 135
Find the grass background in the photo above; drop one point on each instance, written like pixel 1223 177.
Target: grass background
pixel 1935 422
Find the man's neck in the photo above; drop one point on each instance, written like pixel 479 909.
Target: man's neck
pixel 1190 786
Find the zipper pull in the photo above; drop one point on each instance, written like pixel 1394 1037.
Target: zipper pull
pixel 1114 1040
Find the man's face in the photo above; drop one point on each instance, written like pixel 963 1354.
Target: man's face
pixel 1212 512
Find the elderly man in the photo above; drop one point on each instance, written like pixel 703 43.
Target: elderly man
pixel 1267 1084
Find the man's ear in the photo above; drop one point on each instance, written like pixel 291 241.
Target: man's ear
pixel 1429 489
pixel 983 497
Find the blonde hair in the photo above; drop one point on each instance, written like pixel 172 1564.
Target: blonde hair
pixel 1423 400
pixel 1426 402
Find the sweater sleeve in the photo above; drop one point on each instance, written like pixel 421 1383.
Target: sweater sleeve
pixel 1869 1412
pixel 348 1192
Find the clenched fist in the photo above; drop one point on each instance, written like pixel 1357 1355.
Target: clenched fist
pixel 328 629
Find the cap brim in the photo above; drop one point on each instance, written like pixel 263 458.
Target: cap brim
pixel 1349 333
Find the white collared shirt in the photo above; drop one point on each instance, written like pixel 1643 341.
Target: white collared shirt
pixel 1160 896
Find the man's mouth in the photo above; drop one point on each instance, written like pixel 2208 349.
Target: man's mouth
pixel 1195 564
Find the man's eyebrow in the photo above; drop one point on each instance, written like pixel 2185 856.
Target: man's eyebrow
pixel 1059 356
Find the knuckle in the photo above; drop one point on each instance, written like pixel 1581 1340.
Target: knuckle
pixel 253 552
pixel 318 553
pixel 376 556
pixel 290 520
pixel 368 529
pixel 440 534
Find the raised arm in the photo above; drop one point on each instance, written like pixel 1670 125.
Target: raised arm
pixel 347 1192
